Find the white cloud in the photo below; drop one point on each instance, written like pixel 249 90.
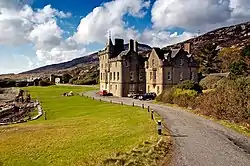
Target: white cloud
pixel 161 38
pixel 20 24
pixel 109 17
pixel 197 14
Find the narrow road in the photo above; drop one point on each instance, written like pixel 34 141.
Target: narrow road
pixel 198 141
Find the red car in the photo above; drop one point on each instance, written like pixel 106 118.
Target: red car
pixel 103 92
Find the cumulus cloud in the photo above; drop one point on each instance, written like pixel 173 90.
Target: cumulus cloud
pixel 161 38
pixel 109 17
pixel 196 14
pixel 20 24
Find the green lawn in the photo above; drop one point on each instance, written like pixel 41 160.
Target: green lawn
pixel 78 131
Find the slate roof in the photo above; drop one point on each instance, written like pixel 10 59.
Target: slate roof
pixel 123 53
pixel 165 54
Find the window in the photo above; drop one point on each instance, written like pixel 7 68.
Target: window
pixel 101 76
pixel 148 89
pixel 153 63
pixel 192 76
pixel 132 87
pixel 101 66
pixel 115 64
pixel 104 76
pixel 151 75
pixel 126 63
pixel 181 61
pixel 111 87
pixel 111 76
pixel 169 75
pixel 154 75
pixel 181 76
pixel 118 76
pixel 115 87
pixel 141 76
pixel 114 76
pixel 141 87
pixel 131 76
pixel 158 89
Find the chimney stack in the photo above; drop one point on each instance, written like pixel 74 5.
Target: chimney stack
pixel 131 44
pixel 187 47
pixel 136 46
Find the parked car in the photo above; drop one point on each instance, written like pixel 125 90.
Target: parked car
pixel 147 96
pixel 134 95
pixel 130 95
pixel 103 93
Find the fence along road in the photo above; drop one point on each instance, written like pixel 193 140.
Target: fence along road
pixel 197 141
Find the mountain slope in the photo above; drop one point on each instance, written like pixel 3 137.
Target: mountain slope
pixel 78 62
pixel 232 36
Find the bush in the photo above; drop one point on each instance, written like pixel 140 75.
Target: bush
pixel 238 68
pixel 230 101
pixel 85 82
pixel 190 85
pixel 21 84
pixel 45 83
pixel 210 82
pixel 246 51
pixel 6 83
pixel 66 78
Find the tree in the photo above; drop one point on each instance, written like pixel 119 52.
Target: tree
pixel 246 51
pixel 238 68
pixel 66 78
pixel 209 59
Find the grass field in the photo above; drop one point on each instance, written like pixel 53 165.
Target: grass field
pixel 78 131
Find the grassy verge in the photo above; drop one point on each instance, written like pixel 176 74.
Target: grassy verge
pixel 235 126
pixel 78 131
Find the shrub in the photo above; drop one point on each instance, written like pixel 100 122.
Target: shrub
pixel 85 82
pixel 230 101
pixel 246 51
pixel 21 84
pixel 45 83
pixel 238 68
pixel 190 85
pixel 66 78
pixel 210 82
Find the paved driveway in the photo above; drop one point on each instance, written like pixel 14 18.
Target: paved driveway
pixel 197 141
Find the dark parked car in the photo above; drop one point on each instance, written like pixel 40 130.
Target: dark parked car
pixel 147 96
pixel 134 95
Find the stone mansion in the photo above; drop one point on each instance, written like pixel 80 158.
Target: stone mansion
pixel 125 71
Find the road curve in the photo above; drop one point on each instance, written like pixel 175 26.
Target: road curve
pixel 198 141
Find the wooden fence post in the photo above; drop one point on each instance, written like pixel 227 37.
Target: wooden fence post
pixel 45 118
pixel 133 104
pixel 148 108
pixel 159 127
pixel 142 106
pixel 152 114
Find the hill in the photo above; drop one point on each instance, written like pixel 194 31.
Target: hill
pixel 91 59
pixel 232 36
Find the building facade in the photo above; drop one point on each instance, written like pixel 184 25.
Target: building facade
pixel 122 71
pixel 125 71
pixel 165 68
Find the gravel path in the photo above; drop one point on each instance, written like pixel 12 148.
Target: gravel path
pixel 197 141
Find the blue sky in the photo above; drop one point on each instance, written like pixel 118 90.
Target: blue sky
pixel 41 32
